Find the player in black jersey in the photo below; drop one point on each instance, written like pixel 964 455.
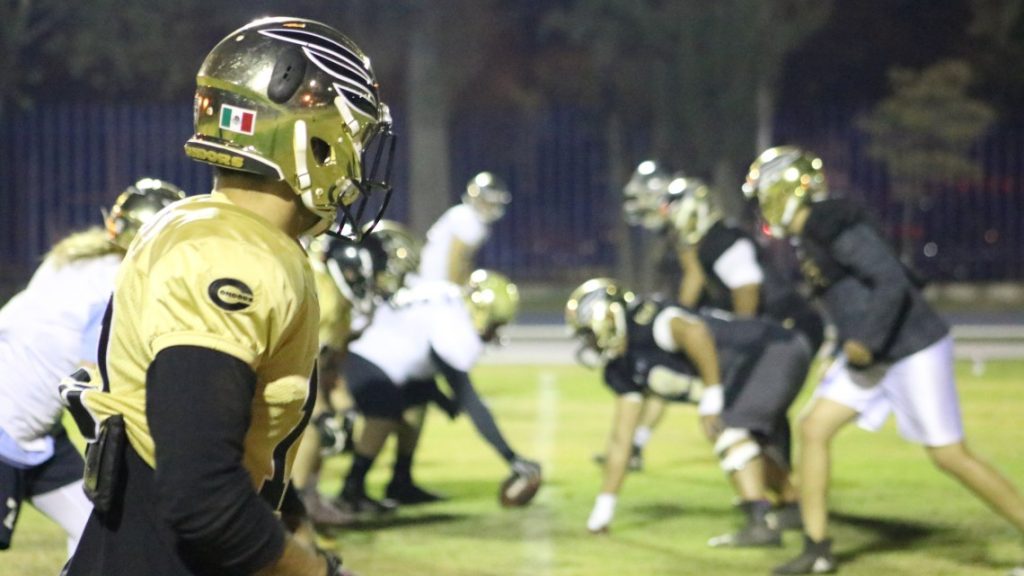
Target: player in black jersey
pixel 743 374
pixel 897 353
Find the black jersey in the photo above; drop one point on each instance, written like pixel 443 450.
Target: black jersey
pixel 868 293
pixel 779 299
pixel 739 343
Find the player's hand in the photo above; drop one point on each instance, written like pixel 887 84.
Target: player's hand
pixel 711 426
pixel 524 467
pixel 857 354
pixel 602 514
pixel 333 564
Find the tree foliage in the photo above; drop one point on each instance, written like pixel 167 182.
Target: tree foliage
pixel 924 131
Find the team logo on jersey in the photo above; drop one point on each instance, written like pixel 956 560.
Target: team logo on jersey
pixel 230 294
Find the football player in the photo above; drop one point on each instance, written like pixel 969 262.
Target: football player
pixel 431 329
pixel 896 351
pixel 344 271
pixel 453 241
pixel 742 373
pixel 207 373
pixel 46 331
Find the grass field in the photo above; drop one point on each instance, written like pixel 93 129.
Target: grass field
pixel 893 513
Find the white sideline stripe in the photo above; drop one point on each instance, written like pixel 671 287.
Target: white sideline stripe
pixel 537 540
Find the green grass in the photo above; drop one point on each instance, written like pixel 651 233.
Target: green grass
pixel 893 513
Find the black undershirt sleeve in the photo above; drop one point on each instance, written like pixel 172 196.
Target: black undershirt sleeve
pixel 471 402
pixel 198 406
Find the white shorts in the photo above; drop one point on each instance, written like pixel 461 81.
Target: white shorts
pixel 920 389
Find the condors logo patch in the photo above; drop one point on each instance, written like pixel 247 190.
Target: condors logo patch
pixel 230 294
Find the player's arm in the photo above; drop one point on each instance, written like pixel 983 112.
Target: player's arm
pixel 693 338
pixel 628 407
pixel 746 300
pixel 864 252
pixel 694 277
pixel 471 403
pixel 198 407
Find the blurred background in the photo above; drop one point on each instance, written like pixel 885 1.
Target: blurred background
pixel 916 106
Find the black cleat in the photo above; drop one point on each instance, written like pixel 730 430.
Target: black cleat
pixel 757 533
pixel 360 504
pixel 817 558
pixel 636 460
pixel 786 517
pixel 410 494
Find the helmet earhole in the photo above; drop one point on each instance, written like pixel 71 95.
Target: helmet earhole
pixel 320 149
pixel 289 71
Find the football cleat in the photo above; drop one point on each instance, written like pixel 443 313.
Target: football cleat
pixel 786 517
pixel 636 460
pixel 323 513
pixel 756 533
pixel 409 494
pixel 816 558
pixel 360 504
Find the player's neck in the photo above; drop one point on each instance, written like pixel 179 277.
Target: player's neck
pixel 273 201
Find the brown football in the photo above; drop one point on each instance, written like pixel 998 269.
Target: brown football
pixel 518 490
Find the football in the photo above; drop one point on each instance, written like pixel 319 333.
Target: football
pixel 518 490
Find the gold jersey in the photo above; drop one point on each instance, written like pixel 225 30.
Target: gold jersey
pixel 208 273
pixel 335 309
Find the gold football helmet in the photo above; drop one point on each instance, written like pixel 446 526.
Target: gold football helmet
pixel 492 300
pixel 691 209
pixel 402 251
pixel 643 195
pixel 596 315
pixel 135 206
pixel 297 101
pixel 783 179
pixel 488 195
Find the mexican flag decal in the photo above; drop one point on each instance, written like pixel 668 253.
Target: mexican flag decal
pixel 237 119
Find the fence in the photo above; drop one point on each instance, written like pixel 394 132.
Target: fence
pixel 60 163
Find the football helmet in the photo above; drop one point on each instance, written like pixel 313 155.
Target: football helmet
pixel 643 195
pixel 783 179
pixel 295 100
pixel 596 314
pixel 691 209
pixel 492 300
pixel 354 267
pixel 488 195
pixel 136 205
pixel 402 256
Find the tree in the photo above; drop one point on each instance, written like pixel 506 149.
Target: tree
pixel 701 77
pixel 923 134
pixel 23 24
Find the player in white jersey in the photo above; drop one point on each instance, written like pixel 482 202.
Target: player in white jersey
pixel 433 328
pixel 46 331
pixel 453 241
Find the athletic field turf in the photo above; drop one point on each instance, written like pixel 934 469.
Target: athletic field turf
pixel 893 513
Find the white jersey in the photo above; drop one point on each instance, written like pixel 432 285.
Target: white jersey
pixel 432 317
pixel 46 331
pixel 459 222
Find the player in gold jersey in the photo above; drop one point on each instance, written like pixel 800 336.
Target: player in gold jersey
pixel 208 355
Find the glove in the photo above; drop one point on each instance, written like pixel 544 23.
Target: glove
pixel 711 401
pixel 602 514
pixel 857 354
pixel 77 382
pixel 333 564
pixel 335 432
pixel 524 467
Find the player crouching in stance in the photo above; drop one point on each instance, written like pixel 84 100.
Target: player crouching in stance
pixel 435 328
pixel 207 371
pixel 897 353
pixel 47 331
pixel 744 374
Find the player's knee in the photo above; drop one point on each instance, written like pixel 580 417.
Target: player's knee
pixel 735 449
pixel 814 431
